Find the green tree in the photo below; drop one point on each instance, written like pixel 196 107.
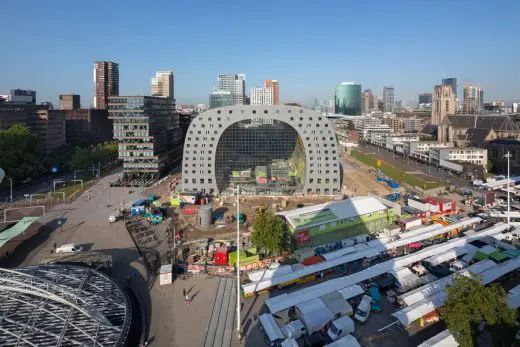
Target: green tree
pixel 489 166
pixel 270 233
pixel 470 303
pixel 350 125
pixel 19 153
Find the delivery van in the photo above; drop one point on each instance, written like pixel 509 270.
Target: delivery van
pixel 294 329
pixel 363 309
pixel 340 327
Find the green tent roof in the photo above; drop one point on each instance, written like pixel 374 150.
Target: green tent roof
pixel 17 229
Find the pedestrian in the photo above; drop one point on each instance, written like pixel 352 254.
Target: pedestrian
pixel 55 246
pixel 187 299
pixel 184 292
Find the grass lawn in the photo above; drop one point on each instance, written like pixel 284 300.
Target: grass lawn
pixel 394 172
pixel 70 188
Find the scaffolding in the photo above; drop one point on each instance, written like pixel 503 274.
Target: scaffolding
pixel 57 305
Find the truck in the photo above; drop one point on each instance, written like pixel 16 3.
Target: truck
pixel 376 298
pixel 363 309
pixel 315 315
pixel 273 335
pixel 340 327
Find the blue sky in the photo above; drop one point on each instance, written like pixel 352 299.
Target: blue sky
pixel 309 46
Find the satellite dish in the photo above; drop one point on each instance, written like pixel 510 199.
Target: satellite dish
pixel 2 175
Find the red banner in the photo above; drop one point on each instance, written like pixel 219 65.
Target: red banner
pixel 303 237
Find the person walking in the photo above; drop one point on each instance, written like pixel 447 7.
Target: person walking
pixel 187 299
pixel 184 292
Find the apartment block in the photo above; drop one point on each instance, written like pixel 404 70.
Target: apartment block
pixel 276 91
pixel 50 127
pixel 441 156
pixel 106 82
pixel 262 96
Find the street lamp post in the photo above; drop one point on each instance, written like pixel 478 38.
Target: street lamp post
pixel 11 182
pixel 508 156
pixel 239 332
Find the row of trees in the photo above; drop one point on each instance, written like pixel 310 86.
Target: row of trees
pixel 21 157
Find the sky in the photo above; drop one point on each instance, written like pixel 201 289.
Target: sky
pixel 309 46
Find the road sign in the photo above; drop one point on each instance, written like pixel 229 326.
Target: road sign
pixel 54 169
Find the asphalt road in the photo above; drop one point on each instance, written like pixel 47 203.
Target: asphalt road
pixel 412 165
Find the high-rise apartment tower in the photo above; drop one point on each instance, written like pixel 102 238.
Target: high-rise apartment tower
pixel 106 82
pixel 276 90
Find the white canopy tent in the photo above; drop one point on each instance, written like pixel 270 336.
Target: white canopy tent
pixel 285 301
pixel 442 339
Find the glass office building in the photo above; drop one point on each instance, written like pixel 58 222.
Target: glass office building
pixel 264 149
pixel 220 98
pixel 347 99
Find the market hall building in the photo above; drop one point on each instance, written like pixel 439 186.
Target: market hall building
pixel 265 149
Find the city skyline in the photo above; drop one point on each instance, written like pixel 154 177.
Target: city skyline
pixel 388 60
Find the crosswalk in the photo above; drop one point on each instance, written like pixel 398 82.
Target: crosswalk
pixel 220 327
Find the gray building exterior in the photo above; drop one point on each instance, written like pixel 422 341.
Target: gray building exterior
pixel 266 149
pixel 388 98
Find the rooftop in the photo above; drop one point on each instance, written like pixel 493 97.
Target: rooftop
pixel 328 212
pixel 58 305
pixel 495 122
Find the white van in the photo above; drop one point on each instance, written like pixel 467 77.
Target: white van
pixel 340 327
pixel 363 309
pixel 68 248
pixel 294 329
pixel 272 334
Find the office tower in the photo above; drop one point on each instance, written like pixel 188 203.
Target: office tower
pixel 367 101
pixel 262 96
pixel 347 99
pixel 425 98
pixel 69 102
pixel 388 98
pixel 473 99
pixel 451 82
pixel 220 98
pixel 443 103
pixel 144 146
pixel 235 84
pixel 106 82
pixel 276 91
pixel 162 84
